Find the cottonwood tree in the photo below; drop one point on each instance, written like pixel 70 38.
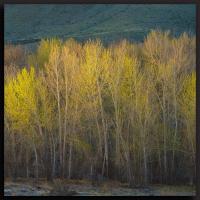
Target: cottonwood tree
pixel 125 111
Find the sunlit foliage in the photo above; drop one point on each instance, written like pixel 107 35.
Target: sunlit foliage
pixel 126 111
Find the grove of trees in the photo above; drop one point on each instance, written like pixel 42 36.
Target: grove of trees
pixel 126 111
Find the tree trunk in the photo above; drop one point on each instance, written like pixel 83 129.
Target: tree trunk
pixel 104 128
pixel 71 146
pixel 99 135
pixel 14 171
pixel 70 160
pixel 48 157
pixel 65 122
pixel 145 165
pixel 164 137
pixel 176 127
pixel 36 162
pixel 59 118
pixel 27 165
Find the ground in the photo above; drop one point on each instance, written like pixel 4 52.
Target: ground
pixel 84 188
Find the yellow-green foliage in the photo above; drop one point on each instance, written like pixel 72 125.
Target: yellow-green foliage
pixel 20 99
pixel 131 106
pixel 188 97
pixel 42 55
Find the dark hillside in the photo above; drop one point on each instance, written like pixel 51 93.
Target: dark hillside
pixel 107 22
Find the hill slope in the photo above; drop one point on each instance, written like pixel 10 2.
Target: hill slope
pixel 108 22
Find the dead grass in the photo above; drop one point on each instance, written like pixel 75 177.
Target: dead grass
pixel 174 189
pixel 62 184
pixel 64 187
pixel 112 184
pixel 72 181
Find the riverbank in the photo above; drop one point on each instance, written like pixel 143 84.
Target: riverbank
pixel 85 188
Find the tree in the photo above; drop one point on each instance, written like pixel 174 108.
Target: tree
pixel 124 111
